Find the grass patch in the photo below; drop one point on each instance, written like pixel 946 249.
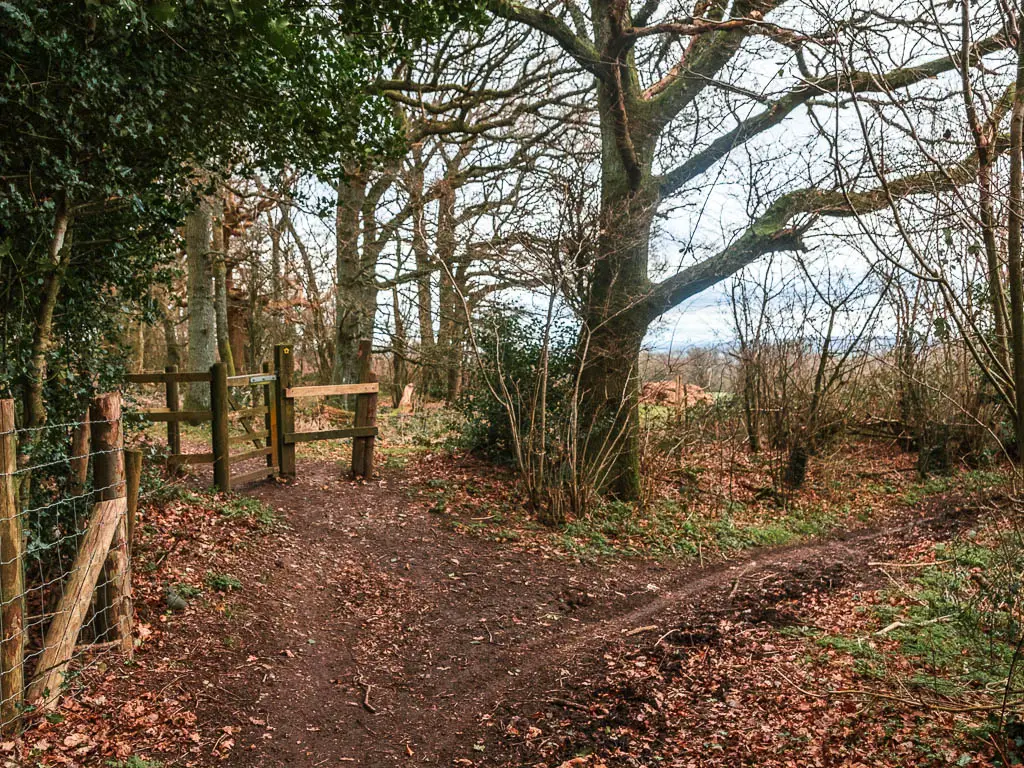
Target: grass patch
pixel 248 508
pixel 973 481
pixel 961 628
pixel 669 530
pixel 187 591
pixel 134 762
pixel 426 429
pixel 222 582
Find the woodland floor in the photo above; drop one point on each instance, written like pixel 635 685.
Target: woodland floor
pixel 368 630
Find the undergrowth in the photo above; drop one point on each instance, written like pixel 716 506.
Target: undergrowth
pixel 159 489
pixel 959 620
pixel 134 762
pixel 947 633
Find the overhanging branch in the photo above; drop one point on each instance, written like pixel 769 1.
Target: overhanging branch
pixel 581 49
pixel 774 230
pixel 854 83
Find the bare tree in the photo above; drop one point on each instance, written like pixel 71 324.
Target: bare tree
pixel 678 88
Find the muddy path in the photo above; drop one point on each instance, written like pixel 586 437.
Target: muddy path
pixel 373 635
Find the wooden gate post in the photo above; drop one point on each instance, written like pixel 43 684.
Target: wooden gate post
pixel 114 600
pixel 284 407
pixel 219 412
pixel 366 413
pixel 12 579
pixel 173 425
pixel 270 418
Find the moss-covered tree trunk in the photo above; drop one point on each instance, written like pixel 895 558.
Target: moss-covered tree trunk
pixel 618 314
pixel 219 264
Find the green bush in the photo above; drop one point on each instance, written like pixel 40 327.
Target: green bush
pixel 511 348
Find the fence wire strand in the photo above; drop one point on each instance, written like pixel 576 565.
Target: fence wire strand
pixel 55 521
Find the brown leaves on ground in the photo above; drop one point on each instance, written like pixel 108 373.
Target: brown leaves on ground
pixel 739 676
pixel 115 710
pixel 742 687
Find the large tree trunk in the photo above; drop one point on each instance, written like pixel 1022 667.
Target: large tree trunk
pixel 449 345
pixel 618 311
pixel 449 304
pixel 399 350
pixel 610 398
pixel 614 327
pixel 617 314
pixel 424 266
pixel 356 285
pixel 202 339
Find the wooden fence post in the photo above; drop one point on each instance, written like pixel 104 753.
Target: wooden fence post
pixel 285 408
pixel 133 475
pixel 79 459
pixel 12 579
pixel 219 410
pixel 366 413
pixel 173 425
pixel 114 600
pixel 370 441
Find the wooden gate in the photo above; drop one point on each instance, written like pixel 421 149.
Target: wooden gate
pixel 172 414
pixel 239 403
pixel 237 417
pixel 229 412
pixel 363 431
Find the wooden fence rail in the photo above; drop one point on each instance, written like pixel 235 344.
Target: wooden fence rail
pixel 332 389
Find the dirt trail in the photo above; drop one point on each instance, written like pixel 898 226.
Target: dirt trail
pixel 379 637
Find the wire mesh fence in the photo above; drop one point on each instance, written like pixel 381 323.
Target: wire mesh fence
pixel 65 583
